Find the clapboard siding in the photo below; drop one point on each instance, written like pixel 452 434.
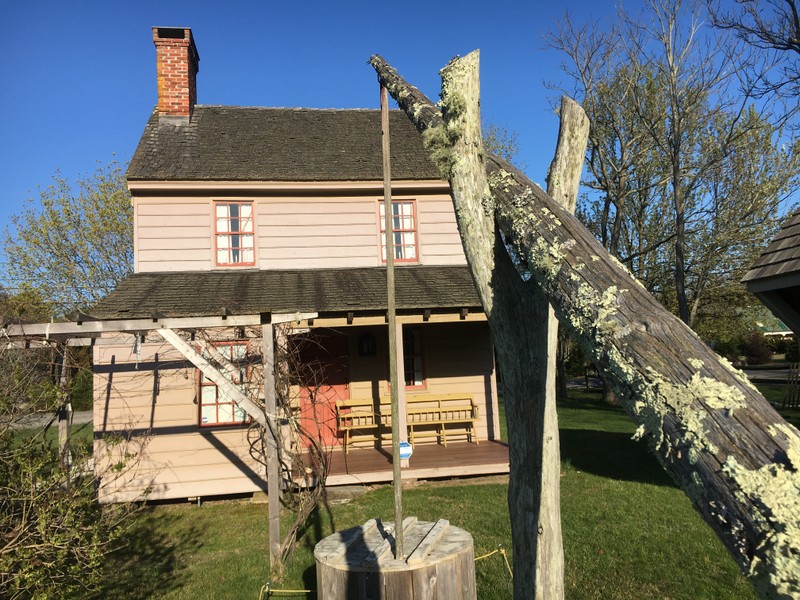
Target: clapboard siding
pixel 153 393
pixel 178 458
pixel 176 234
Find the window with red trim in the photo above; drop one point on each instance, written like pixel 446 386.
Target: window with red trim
pixel 216 408
pixel 412 357
pixel 404 230
pixel 234 234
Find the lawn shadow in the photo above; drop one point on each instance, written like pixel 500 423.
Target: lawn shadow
pixel 148 564
pixel 312 532
pixel 613 455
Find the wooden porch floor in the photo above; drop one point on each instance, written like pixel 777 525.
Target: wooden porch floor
pixel 372 465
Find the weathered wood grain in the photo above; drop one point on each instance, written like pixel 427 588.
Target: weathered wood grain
pixel 721 441
pixel 357 563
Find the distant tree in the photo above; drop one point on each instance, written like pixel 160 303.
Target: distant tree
pixel 501 142
pixel 772 29
pixel 25 305
pixel 74 244
pixel 689 177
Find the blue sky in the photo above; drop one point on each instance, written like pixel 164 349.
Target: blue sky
pixel 78 78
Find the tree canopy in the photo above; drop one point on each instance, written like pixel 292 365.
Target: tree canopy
pixel 75 242
pixel 688 171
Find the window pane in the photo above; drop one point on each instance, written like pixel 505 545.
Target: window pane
pixel 222 211
pixel 238 352
pixel 225 412
pixel 239 414
pixel 208 395
pixel 222 225
pixel 208 414
pixel 247 211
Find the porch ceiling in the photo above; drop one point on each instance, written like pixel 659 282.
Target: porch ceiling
pixel 185 294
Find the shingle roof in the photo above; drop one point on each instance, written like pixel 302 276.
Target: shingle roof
pixel 205 293
pixel 782 256
pixel 232 143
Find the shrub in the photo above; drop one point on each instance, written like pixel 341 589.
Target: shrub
pixel 756 349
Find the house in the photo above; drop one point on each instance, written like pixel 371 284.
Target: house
pixel 775 277
pixel 246 217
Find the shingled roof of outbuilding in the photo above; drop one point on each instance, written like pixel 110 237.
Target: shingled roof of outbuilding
pixel 782 256
pixel 207 293
pixel 233 143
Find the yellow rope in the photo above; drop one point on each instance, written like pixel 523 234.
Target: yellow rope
pixel 487 555
pixel 502 550
pixel 267 591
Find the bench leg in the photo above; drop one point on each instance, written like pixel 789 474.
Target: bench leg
pixel 346 441
pixel 443 434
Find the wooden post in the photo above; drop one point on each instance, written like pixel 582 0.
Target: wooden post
pixel 400 367
pixel 563 181
pixel 271 431
pixel 733 455
pixel 394 380
pixel 64 413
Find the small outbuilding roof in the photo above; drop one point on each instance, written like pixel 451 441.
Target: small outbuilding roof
pixel 775 277
pixel 234 143
pixel 205 293
pixel 782 256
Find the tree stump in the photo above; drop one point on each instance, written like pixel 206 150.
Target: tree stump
pixel 359 563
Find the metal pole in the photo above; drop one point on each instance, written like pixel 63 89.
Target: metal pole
pixel 390 309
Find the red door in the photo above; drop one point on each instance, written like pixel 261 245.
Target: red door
pixel 323 376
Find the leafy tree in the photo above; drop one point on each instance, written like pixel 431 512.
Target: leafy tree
pixel 53 534
pixel 688 176
pixel 501 142
pixel 75 243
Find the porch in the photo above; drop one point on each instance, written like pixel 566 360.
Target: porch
pixel 374 465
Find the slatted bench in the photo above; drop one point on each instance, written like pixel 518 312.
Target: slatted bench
pixel 431 415
pixel 357 416
pixel 427 416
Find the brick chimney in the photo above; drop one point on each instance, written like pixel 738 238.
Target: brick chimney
pixel 177 63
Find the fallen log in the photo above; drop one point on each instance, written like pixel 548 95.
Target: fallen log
pixel 720 440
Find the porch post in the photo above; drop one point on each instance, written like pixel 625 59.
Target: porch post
pixel 64 412
pixel 271 432
pixel 401 387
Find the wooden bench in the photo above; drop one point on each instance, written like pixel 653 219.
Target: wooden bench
pixel 354 417
pixel 437 412
pixel 427 415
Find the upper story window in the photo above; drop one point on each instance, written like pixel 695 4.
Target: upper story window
pixel 234 234
pixel 216 407
pixel 404 231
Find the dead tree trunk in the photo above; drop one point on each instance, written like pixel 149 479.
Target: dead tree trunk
pixel 563 181
pixel 721 441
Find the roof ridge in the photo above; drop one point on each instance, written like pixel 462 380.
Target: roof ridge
pixel 295 108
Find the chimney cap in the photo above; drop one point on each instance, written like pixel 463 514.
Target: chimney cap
pixel 178 33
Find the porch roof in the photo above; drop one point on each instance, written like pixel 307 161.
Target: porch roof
pixel 199 293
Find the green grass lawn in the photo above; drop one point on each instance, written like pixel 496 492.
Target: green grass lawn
pixel 628 532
